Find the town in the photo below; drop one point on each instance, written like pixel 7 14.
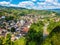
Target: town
pixel 20 27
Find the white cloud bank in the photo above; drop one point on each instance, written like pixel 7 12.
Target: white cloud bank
pixel 4 3
pixel 25 3
pixel 48 4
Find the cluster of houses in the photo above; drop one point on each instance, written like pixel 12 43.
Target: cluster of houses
pixel 21 26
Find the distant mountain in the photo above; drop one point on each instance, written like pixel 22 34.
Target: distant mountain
pixel 2 7
pixel 55 10
pixel 38 11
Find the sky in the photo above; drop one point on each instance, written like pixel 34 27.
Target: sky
pixel 32 4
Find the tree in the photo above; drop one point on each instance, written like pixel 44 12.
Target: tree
pixel 12 29
pixel 8 39
pixel 53 38
pixel 1 41
pixel 21 41
pixel 22 14
pixel 9 18
pixel 35 34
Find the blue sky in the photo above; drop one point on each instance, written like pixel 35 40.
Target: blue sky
pixel 32 4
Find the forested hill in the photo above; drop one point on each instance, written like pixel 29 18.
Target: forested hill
pixel 55 10
pixel 18 10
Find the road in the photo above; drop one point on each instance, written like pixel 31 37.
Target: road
pixel 45 32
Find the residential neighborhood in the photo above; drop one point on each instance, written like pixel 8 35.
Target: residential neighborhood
pixel 21 26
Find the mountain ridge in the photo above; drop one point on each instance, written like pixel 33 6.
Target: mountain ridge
pixel 21 8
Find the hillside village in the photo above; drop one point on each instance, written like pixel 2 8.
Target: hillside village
pixel 27 27
pixel 29 22
pixel 20 27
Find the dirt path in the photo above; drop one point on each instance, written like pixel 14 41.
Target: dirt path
pixel 45 32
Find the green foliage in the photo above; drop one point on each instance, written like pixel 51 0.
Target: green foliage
pixel 54 37
pixel 35 34
pixel 8 39
pixel 9 18
pixel 1 41
pixel 12 29
pixel 22 14
pixel 52 25
pixel 5 40
pixel 37 26
pixel 21 41
pixel 32 43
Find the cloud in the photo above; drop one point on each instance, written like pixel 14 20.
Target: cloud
pixel 51 0
pixel 55 2
pixel 48 4
pixel 48 0
pixel 34 4
pixel 4 3
pixel 34 0
pixel 26 4
pixel 13 5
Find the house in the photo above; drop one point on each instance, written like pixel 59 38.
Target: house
pixel 3 17
pixel 25 30
pixel 13 38
pixel 0 31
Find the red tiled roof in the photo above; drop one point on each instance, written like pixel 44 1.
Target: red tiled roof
pixel 0 29
pixel 25 29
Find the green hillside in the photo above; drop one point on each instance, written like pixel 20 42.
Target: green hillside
pixel 18 11
pixel 20 26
